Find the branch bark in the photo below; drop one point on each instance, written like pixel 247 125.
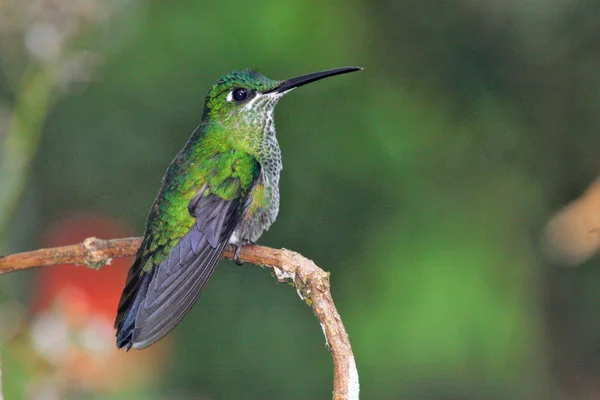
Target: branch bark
pixel 311 282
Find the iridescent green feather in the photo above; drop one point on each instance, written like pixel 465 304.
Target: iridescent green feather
pixel 222 170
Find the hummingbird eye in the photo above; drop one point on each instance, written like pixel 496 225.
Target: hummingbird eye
pixel 240 94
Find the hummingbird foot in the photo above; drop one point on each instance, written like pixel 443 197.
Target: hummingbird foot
pixel 238 247
pixel 236 255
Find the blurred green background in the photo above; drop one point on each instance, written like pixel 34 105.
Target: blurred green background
pixel 422 183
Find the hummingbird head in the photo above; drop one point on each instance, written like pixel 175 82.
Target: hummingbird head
pixel 245 95
pixel 243 102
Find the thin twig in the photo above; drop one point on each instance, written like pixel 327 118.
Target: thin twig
pixel 312 284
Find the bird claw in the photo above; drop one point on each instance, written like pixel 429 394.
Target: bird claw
pixel 236 255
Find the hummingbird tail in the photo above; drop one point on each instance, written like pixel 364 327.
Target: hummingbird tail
pixel 126 325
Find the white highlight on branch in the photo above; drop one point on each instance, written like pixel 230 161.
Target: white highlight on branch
pixel 353 385
pixel 282 275
pixel 324 334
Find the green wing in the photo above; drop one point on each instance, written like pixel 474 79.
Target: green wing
pixel 155 300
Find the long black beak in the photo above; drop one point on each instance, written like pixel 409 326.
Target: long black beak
pixel 289 84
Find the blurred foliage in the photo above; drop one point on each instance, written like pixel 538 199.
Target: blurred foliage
pixel 420 183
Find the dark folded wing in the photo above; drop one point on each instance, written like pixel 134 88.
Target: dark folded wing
pixel 176 284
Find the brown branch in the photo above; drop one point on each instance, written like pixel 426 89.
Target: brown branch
pixel 312 284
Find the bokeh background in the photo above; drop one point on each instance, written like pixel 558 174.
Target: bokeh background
pixel 448 187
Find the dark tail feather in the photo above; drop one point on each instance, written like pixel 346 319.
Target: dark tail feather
pixel 133 294
pixel 127 324
pixel 130 290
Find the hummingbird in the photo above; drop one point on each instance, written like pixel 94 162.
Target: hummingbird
pixel 222 188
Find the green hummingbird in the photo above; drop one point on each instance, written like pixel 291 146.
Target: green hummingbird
pixel 222 188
